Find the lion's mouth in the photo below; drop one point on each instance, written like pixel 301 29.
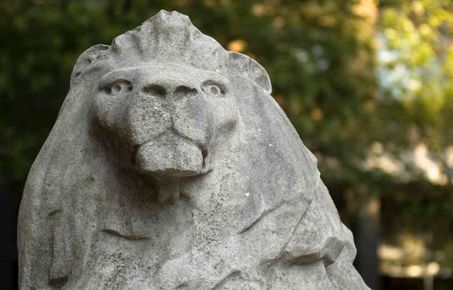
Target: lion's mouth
pixel 170 155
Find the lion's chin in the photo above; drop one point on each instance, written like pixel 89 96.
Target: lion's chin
pixel 173 159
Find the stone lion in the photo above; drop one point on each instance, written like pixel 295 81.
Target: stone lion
pixel 170 166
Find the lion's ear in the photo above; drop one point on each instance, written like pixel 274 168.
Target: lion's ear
pixel 89 59
pixel 250 69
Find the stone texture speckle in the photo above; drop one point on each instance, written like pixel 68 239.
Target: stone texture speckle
pixel 170 166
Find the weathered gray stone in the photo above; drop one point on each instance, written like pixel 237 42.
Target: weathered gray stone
pixel 170 166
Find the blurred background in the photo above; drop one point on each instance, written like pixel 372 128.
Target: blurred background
pixel 368 85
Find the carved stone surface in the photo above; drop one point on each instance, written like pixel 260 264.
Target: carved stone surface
pixel 170 166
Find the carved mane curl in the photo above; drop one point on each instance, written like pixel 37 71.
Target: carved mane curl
pixel 171 36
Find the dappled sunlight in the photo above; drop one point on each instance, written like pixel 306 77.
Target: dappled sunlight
pixel 378 159
pixel 419 156
pixel 237 45
pixel 409 258
pixel 431 169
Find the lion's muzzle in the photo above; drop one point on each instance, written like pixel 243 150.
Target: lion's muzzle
pixel 170 155
pixel 169 122
pixel 164 119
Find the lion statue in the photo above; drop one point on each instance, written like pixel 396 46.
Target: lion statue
pixel 170 166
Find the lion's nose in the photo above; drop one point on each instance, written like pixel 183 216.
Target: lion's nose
pixel 166 90
pixel 164 105
pixel 184 91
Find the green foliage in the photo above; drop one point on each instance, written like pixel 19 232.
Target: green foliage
pixel 415 66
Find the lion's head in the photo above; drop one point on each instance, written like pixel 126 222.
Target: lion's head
pixel 165 98
pixel 171 166
pixel 166 117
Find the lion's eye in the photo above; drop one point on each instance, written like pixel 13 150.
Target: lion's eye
pixel 213 89
pixel 117 87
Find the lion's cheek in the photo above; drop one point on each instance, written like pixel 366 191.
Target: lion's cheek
pixel 191 118
pixel 105 110
pixel 144 119
pixel 224 118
